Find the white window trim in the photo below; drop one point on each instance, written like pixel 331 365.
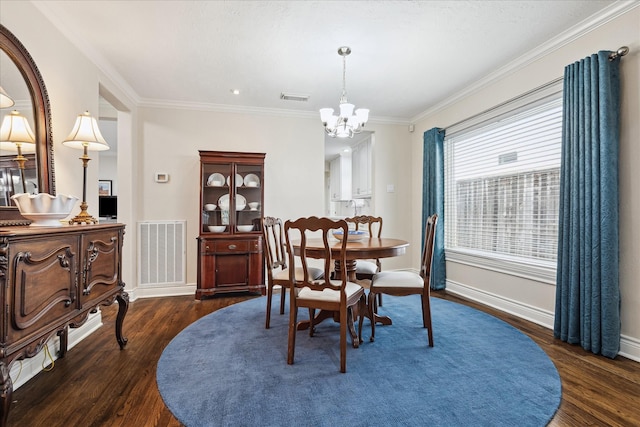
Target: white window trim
pixel 540 271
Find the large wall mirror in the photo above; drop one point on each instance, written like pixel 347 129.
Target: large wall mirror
pixel 23 97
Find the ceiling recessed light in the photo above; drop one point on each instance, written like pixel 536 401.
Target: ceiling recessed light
pixel 235 91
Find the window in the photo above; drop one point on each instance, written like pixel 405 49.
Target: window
pixel 502 185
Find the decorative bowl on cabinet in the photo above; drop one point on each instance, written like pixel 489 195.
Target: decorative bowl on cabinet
pixel 43 209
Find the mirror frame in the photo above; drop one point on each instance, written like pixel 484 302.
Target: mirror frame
pixel 10 215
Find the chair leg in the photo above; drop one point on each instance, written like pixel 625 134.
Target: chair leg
pixel 363 310
pixel 372 314
pixel 426 317
pixel 312 316
pixel 283 297
pixel 380 300
pixel 293 321
pixel 343 342
pixel 269 298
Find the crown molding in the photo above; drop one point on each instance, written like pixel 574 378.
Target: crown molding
pixel 577 31
pixel 85 48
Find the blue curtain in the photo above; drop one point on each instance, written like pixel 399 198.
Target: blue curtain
pixel 433 199
pixel 588 293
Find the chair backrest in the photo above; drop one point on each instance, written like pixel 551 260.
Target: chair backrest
pixel 427 251
pixel 374 224
pixel 272 233
pixel 298 232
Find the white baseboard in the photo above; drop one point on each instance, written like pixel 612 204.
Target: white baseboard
pixel 629 347
pixel 23 370
pixel 162 291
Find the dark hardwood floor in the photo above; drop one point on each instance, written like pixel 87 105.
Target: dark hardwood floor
pixel 96 384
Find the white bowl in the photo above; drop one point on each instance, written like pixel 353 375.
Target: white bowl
pixel 352 236
pixel 254 206
pixel 210 207
pixel 245 228
pixel 217 228
pixel 44 209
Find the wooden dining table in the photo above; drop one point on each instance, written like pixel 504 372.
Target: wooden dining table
pixel 367 248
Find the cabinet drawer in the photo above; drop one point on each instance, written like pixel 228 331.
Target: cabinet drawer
pixel 229 246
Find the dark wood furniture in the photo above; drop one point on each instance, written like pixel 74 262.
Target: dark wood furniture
pixel 230 257
pixel 373 247
pixel 366 269
pixel 338 296
pixel 51 279
pixel 402 283
pixel 276 260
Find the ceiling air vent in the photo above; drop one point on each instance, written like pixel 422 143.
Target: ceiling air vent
pixel 294 97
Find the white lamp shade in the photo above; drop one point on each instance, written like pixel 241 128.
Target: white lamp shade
pixel 5 99
pixel 15 128
pixel 346 110
pixel 325 114
pixel 86 133
pixel 363 115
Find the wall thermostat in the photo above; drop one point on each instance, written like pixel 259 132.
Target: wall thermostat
pixel 162 177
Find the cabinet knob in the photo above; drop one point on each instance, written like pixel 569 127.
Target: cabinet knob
pixel 232 246
pixel 206 247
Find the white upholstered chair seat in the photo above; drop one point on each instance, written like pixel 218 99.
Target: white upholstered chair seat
pixel 366 267
pixel 314 274
pixel 329 294
pixel 401 279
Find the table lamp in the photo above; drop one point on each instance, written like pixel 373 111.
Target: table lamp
pixel 85 136
pixel 16 131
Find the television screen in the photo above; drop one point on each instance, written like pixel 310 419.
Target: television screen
pixel 108 206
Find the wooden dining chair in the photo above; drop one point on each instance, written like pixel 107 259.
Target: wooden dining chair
pixel 276 263
pixel 365 269
pixel 338 295
pixel 401 283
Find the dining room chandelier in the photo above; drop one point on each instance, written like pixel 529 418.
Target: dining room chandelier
pixel 347 123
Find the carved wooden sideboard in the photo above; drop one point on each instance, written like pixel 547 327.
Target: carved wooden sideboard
pixel 52 278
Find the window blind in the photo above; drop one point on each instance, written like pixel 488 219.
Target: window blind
pixel 502 183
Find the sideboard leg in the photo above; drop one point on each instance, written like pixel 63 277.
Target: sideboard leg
pixel 6 393
pixel 123 306
pixel 64 342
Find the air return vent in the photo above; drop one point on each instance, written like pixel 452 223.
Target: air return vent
pixel 294 97
pixel 161 253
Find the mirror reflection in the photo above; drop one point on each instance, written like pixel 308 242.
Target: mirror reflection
pixel 18 166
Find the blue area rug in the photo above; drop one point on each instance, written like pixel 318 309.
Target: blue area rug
pixel 227 370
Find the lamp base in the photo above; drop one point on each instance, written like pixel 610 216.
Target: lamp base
pixel 83 217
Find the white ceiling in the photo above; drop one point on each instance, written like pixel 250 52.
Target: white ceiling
pixel 407 56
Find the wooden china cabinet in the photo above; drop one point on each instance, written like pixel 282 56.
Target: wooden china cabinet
pixel 230 255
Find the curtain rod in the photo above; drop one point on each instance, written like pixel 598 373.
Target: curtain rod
pixel 619 53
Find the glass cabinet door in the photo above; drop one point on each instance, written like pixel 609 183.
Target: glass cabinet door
pixel 249 193
pixel 216 197
pixel 231 197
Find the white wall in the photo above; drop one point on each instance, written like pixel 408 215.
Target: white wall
pixel 528 298
pixel 294 166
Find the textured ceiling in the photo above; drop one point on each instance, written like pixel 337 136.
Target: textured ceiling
pixel 406 55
